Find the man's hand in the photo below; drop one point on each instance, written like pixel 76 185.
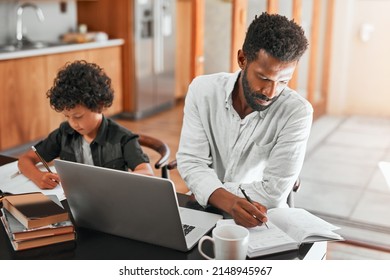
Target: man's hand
pixel 247 214
pixel 242 211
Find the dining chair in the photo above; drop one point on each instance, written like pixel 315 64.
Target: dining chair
pixel 161 148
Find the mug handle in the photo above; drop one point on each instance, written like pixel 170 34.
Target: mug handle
pixel 204 238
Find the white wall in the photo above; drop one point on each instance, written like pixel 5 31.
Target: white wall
pixel 360 71
pixel 217 36
pixel 56 23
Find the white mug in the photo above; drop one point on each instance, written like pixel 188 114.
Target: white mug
pixel 230 242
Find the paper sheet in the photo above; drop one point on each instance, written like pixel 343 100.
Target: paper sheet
pixel 21 184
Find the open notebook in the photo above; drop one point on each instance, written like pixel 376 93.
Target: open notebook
pixel 288 229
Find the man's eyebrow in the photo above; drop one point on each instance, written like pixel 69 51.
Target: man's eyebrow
pixel 267 78
pixel 264 77
pixel 261 75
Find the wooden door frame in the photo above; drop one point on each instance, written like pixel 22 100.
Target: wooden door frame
pixel 238 30
pixel 197 46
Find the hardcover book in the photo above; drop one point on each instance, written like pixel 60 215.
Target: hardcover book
pixel 43 241
pixel 34 210
pixel 19 232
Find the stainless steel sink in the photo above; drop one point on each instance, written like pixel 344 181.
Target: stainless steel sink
pixel 29 46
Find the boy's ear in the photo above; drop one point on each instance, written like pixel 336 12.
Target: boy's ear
pixel 241 59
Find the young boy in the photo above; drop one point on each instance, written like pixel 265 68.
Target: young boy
pixel 81 91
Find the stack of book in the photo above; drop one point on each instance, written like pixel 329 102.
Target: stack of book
pixel 33 220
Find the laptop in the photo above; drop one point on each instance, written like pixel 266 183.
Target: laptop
pixel 130 205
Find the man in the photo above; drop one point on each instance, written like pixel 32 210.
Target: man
pixel 248 130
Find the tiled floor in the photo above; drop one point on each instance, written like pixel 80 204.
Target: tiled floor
pixel 341 180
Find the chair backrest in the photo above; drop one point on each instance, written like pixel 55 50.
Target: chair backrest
pixel 160 147
pixel 290 199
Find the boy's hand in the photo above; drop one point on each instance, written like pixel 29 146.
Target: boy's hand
pixel 48 180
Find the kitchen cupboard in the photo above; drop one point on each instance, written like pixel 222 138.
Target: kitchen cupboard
pixel 26 114
pixel 23 114
pixel 110 59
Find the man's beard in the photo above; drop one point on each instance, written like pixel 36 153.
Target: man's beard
pixel 251 96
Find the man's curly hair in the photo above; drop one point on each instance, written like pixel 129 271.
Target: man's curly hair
pixel 81 83
pixel 276 35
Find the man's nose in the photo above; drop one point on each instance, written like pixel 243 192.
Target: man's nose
pixel 270 90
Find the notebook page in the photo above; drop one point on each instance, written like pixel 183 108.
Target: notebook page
pixel 21 184
pixel 299 224
pixel 266 240
pixel 263 238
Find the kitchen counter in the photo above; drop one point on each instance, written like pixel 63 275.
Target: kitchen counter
pixel 59 49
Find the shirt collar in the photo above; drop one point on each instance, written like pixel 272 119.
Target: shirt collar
pixel 229 88
pixel 102 132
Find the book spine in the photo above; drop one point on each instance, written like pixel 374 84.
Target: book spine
pixel 15 212
pixel 44 241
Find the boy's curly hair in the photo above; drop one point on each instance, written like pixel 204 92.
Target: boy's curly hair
pixel 277 35
pixel 81 83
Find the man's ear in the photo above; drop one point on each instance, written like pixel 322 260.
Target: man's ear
pixel 241 59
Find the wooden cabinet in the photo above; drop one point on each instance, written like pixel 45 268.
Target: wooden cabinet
pixel 26 114
pixel 23 114
pixel 110 60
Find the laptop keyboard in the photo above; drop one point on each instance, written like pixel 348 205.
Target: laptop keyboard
pixel 187 228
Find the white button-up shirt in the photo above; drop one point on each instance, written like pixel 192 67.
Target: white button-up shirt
pixel 263 152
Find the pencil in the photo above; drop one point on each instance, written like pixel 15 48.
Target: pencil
pixel 250 201
pixel 41 159
pixel 15 174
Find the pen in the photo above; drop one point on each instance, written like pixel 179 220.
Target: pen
pixel 15 174
pixel 250 201
pixel 41 159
